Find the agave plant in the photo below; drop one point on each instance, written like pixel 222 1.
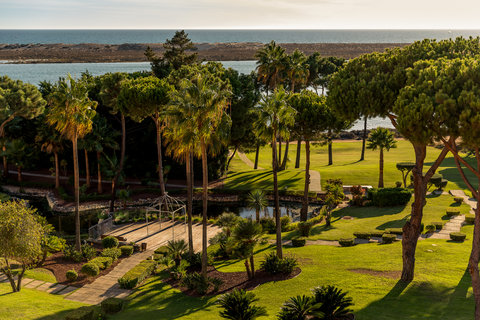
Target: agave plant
pixel 334 303
pixel 238 305
pixel 300 308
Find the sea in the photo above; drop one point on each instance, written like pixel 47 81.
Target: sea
pixel 35 73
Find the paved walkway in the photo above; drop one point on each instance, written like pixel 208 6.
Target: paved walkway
pixel 49 287
pixel 157 235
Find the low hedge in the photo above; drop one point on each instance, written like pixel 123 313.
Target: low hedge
pixel 377 234
pixel 398 231
pixel 458 199
pixel 90 269
pixel 388 238
pixel 451 212
pixel 469 218
pixel 126 250
pixel 113 253
pixel 299 242
pixel 83 313
pixel 163 250
pixel 112 305
pixel 362 235
pixel 347 242
pixel 102 262
pixel 137 274
pixel 429 228
pixel 389 197
pixel 438 225
pixel 458 236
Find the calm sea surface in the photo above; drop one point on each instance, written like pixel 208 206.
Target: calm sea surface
pixel 212 36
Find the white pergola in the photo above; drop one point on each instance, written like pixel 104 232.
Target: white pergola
pixel 167 205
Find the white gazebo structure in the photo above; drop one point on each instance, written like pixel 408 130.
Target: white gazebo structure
pixel 169 207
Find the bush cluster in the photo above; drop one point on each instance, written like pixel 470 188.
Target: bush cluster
pixel 304 228
pixel 113 253
pixel 274 265
pixel 451 212
pixel 362 235
pixel 163 250
pixel 438 225
pixel 268 225
pixel 90 269
pixel 285 223
pixel 110 242
pixel 299 242
pixel 458 200
pixel 389 197
pixel 126 251
pixel 429 228
pixel 87 253
pixel 137 274
pixel 388 238
pixel 102 262
pixel 83 313
pixel 458 236
pixel 112 305
pixel 347 242
pixel 200 283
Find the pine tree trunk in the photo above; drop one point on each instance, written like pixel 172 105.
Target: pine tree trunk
pixel 120 166
pixel 77 193
pixel 276 198
pixel 299 150
pixel 99 174
pixel 87 169
pixel 330 150
pixel 364 139
pixel 255 166
pixel 380 176
pixel 204 203
pixel 285 157
pixel 57 171
pixel 159 154
pixel 304 211
pixel 188 167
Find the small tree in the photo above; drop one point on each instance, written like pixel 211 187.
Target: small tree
pixel 405 168
pixel 333 198
pixel 238 305
pixel 175 249
pixel 257 199
pixel 20 236
pixel 247 233
pixel 228 221
pixel 382 139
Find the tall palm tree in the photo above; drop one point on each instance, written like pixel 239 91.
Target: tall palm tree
pixel 297 70
pixel 50 142
pixel 257 199
pixel 247 233
pixel 275 113
pixel 71 113
pixel 204 96
pixel 382 139
pixel 271 62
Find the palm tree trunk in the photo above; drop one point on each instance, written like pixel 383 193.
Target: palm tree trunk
pixel 380 176
pixel 257 214
pixel 299 149
pixel 252 266
pixel 255 166
pixel 231 157
pixel 248 269
pixel 99 174
pixel 276 198
pixel 279 150
pixel 120 166
pixel 5 164
pixel 87 169
pixel 19 174
pixel 188 166
pixel 330 151
pixel 285 156
pixel 77 194
pixel 159 154
pixel 304 211
pixel 57 171
pixel 364 139
pixel 204 203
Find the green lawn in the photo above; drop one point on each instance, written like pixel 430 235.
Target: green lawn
pixel 263 179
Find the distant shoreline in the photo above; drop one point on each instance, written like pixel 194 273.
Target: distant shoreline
pixel 237 51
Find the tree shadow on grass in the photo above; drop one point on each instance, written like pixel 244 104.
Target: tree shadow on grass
pixel 422 300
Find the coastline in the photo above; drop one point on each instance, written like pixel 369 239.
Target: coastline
pixel 238 51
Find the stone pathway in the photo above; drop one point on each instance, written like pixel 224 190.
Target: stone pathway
pixel 54 288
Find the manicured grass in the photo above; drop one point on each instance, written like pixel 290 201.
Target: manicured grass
pixel 40 274
pixel 237 165
pixel 263 179
pixel 373 218
pixel 33 304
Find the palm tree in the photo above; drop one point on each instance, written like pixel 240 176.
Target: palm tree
pixel 297 70
pixel 50 142
pixel 271 62
pixel 204 97
pixel 383 139
pixel 238 305
pixel 333 303
pixel 257 199
pixel 71 112
pixel 300 308
pixel 175 249
pixel 247 233
pixel 275 113
pixel 228 221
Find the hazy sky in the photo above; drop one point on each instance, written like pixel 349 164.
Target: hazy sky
pixel 224 14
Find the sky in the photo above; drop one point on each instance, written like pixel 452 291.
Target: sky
pixel 239 14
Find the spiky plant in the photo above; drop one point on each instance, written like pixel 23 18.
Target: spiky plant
pixel 334 303
pixel 300 308
pixel 239 305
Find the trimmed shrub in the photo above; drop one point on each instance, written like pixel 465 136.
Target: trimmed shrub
pixel 389 197
pixel 458 200
pixel 196 219
pixel 83 313
pixel 458 236
pixel 316 220
pixel 398 231
pixel 71 275
pixel 71 254
pixel 469 218
pixel 126 250
pixel 438 225
pixel 110 242
pixel 112 305
pixel 113 253
pixel 268 225
pixel 102 262
pixel 163 250
pixel 304 228
pixel 285 222
pixel 388 238
pixel 274 265
pixel 299 242
pixel 430 228
pixel 137 274
pixel 88 252
pixel 362 235
pixel 377 233
pixel 451 212
pixel 347 242
pixel 90 269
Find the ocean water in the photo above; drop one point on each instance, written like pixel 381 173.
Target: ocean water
pixel 212 36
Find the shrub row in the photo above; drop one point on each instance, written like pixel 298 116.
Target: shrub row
pixel 102 262
pixel 137 274
pixel 299 242
pixel 113 253
pixel 388 238
pixel 348 242
pixel 386 197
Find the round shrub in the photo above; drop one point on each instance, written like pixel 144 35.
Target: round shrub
pixel 304 228
pixel 112 305
pixel 438 225
pixel 110 242
pixel 458 236
pixel 451 212
pixel 429 228
pixel 458 200
pixel 126 251
pixel 71 275
pixel 362 235
pixel 469 218
pixel 299 242
pixel 388 238
pixel 113 253
pixel 90 269
pixel 347 242
pixel 274 265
